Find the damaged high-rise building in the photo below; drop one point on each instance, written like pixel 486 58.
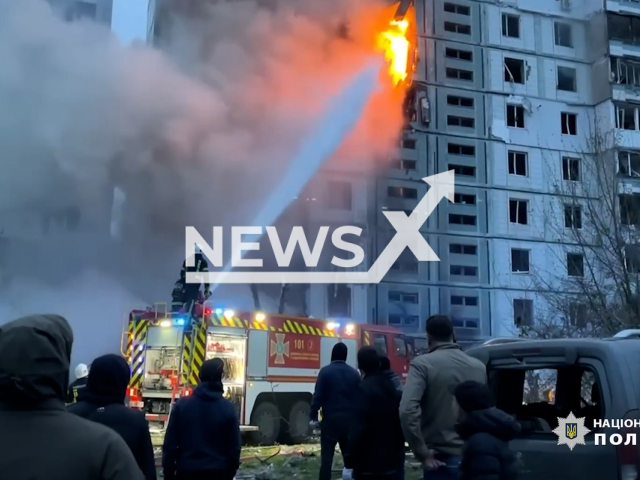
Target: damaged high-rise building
pixel 516 97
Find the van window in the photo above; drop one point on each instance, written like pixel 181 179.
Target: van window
pixel 380 342
pixel 537 397
pixel 400 346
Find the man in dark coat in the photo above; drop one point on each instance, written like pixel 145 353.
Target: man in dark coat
pixel 385 366
pixel 486 432
pixel 39 439
pixel 335 393
pixel 202 441
pixel 376 440
pixel 103 402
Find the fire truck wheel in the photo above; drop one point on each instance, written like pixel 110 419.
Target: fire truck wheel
pixel 299 422
pixel 267 418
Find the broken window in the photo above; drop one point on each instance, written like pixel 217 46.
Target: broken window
pixel 577 314
pixel 461 249
pixel 403 297
pixel 519 260
pixel 510 25
pixel 457 28
pixel 632 258
pixel 406 263
pixel 624 28
pixel 402 192
pixel 405 164
pixel 629 163
pixel 463 300
pixel 569 123
pixel 455 149
pixel 408 143
pixel 464 199
pixel 463 271
pixel 575 264
pixel 455 219
pixel 455 8
pixel 625 72
pixel 626 116
pixel 515 116
pixel 517 163
pixel 562 34
pixel 81 10
pixel 513 70
pixel 459 74
pixel 463 170
pixel 459 54
pixel 518 211
pixel 571 169
pixel 572 216
pixel 456 101
pixel 567 79
pixel 457 121
pixel 522 311
pixel 340 195
pixel 630 209
pixel 338 300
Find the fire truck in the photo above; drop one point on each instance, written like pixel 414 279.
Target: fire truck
pixel 271 362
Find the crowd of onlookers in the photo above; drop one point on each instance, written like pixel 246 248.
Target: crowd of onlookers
pixel 444 411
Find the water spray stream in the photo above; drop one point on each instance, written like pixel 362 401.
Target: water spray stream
pixel 338 121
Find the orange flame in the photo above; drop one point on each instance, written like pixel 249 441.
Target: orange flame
pixel 395 45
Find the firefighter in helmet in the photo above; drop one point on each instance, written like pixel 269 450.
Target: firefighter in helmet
pixel 76 387
pixel 177 296
pixel 192 290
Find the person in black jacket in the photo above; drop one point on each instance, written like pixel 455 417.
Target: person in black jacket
pixel 486 432
pixel 385 366
pixel 203 436
pixel 335 393
pixel 39 439
pixel 376 439
pixel 103 402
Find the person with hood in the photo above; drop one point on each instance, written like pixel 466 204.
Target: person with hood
pixel 426 410
pixel 103 402
pixel 203 436
pixel 39 439
pixel 78 385
pixel 376 443
pixel 335 393
pixel 486 432
pixel 385 366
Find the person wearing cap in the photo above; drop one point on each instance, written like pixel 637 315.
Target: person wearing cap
pixel 426 410
pixel 192 290
pixel 78 385
pixel 486 432
pixel 203 436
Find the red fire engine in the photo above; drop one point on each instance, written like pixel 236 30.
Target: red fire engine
pixel 271 362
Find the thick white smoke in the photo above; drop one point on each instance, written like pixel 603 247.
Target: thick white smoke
pixel 195 135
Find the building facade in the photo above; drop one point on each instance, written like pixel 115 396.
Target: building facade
pixel 510 95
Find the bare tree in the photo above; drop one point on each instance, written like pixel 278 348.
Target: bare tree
pixel 596 223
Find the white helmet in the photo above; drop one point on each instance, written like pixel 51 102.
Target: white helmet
pixel 81 371
pixel 197 249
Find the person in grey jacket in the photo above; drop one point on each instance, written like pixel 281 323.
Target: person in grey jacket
pixel 39 439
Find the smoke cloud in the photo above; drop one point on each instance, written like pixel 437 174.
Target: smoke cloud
pixel 196 132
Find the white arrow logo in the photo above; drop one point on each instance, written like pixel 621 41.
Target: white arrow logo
pixel 407 236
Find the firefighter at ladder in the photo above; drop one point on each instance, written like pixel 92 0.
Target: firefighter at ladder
pixel 192 290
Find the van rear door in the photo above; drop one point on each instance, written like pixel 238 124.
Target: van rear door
pixel 541 388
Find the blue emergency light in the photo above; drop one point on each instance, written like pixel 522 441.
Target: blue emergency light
pixel 219 311
pixel 179 321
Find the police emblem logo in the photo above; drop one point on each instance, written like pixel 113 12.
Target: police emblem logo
pixel 571 431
